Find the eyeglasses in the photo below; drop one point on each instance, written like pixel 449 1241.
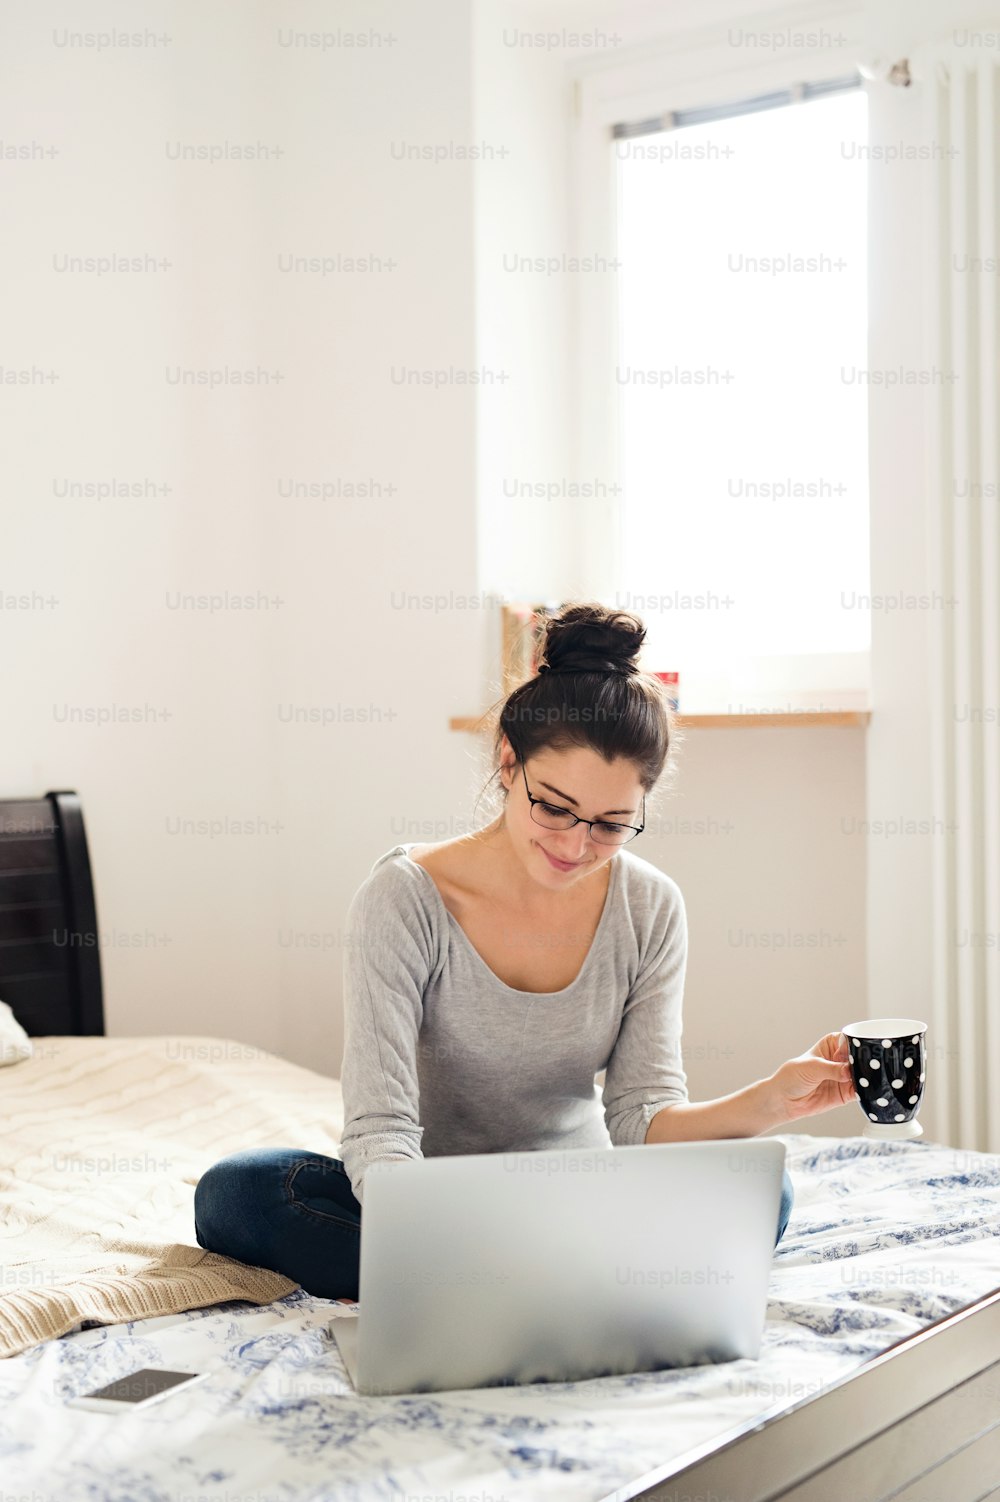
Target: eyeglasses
pixel 602 831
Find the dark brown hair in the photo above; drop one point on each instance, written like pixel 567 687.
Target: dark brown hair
pixel 589 691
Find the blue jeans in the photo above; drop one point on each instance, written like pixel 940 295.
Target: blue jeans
pixel 295 1212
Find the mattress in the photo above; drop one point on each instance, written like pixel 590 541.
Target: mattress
pixel 884 1238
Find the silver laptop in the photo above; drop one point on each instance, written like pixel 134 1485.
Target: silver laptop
pixel 491 1269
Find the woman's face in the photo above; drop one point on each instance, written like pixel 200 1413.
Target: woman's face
pixel 581 780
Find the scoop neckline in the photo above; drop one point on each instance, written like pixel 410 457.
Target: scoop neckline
pixel 450 916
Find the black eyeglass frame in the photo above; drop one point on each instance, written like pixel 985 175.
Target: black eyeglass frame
pixel 532 800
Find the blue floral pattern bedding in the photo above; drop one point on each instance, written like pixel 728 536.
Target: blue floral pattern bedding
pixel 884 1238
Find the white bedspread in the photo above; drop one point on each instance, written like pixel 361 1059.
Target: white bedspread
pixel 884 1238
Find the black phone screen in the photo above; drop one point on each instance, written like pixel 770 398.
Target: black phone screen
pixel 148 1382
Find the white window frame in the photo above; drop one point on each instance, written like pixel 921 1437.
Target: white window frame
pixel 696 69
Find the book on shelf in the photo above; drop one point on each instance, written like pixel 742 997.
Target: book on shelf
pixel 523 635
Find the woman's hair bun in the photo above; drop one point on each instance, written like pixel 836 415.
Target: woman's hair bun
pixel 592 639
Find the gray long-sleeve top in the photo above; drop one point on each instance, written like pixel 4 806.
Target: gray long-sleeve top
pixel 442 1057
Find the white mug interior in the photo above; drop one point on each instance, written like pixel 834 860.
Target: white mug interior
pixel 877 1028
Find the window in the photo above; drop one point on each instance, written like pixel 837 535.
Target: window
pixel 742 391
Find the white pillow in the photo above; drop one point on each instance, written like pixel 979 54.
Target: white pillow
pixel 15 1044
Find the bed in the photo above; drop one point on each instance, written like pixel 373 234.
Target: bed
pixel 879 1365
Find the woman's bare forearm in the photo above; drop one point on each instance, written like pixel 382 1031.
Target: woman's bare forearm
pixel 745 1113
pixel 813 1081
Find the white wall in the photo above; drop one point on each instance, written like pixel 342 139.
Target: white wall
pixel 241 934
pixel 321 801
pixel 524 307
pixel 763 831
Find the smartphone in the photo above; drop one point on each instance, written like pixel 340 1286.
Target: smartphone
pixel 137 1390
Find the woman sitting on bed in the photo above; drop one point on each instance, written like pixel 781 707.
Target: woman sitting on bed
pixel 489 978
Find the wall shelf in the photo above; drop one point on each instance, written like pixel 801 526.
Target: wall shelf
pixel 843 717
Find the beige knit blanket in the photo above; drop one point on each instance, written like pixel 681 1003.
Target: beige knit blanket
pixel 102 1141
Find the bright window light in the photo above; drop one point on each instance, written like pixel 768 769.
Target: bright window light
pixel 742 383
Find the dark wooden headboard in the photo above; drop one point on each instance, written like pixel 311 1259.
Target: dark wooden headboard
pixel 50 958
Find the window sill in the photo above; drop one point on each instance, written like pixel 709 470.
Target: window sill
pixel 842 717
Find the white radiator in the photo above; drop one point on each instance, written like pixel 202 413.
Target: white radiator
pixel 961 89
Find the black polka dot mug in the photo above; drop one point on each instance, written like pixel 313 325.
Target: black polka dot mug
pixel 888 1062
